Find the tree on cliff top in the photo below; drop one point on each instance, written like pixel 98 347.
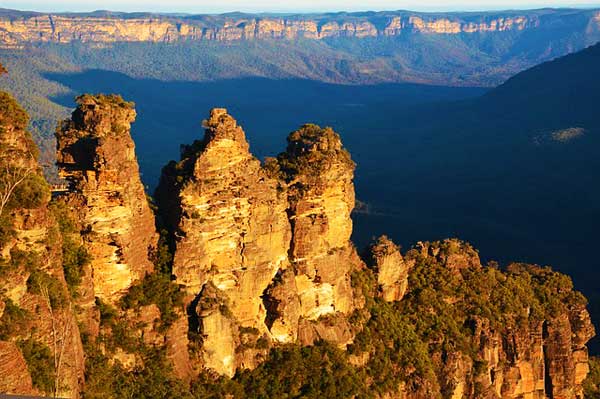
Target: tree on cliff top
pixel 17 161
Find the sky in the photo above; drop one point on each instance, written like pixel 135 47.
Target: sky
pixel 219 6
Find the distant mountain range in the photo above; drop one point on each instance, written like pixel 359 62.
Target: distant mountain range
pixel 19 28
pixel 436 48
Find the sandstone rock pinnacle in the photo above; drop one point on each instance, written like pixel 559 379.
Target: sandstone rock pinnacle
pixel 96 155
pixel 232 232
pixel 318 172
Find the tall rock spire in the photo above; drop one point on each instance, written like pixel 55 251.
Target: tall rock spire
pixel 232 236
pixel 318 173
pixel 97 157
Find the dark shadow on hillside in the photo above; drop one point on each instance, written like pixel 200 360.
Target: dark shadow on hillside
pixel 170 113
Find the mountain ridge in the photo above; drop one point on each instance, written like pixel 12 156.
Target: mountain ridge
pixel 20 28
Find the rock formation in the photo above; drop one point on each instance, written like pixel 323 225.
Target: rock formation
pixel 542 356
pixel 390 268
pixel 13 369
pixel 263 258
pixel 453 253
pixel 242 246
pixel 96 155
pixel 541 360
pixel 36 319
pixel 318 173
pixel 16 31
pixel 232 234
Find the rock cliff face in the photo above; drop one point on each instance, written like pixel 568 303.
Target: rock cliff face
pixel 242 247
pixel 542 360
pixel 318 173
pixel 391 269
pixel 13 369
pixel 541 357
pixel 232 236
pixel 17 30
pixel 97 157
pixel 36 320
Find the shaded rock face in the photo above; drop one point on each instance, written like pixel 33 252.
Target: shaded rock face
pixel 34 300
pixel 96 154
pixel 232 233
pixel 390 268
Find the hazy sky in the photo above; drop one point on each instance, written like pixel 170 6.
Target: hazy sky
pixel 217 6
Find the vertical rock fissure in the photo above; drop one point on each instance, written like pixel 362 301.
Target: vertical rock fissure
pixel 548 388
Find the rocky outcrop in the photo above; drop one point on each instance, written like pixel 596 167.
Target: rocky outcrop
pixel 318 173
pixel 538 354
pixel 231 235
pixel 390 268
pixel 452 253
pixel 264 253
pixel 96 155
pixel 19 29
pixel 36 311
pixel 538 361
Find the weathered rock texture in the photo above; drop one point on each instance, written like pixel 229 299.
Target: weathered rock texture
pixel 537 357
pixel 232 235
pixel 97 157
pixel 13 369
pixel 18 29
pixel 34 304
pixel 318 173
pixel 390 268
pixel 264 256
pixel 541 360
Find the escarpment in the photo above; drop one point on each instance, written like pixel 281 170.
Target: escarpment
pixel 40 347
pixel 96 155
pixel 490 334
pixel 259 256
pixel 18 30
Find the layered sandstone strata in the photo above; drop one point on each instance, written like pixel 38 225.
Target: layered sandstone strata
pixel 232 235
pixel 318 173
pixel 390 268
pixel 264 253
pixel 96 155
pixel 35 28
